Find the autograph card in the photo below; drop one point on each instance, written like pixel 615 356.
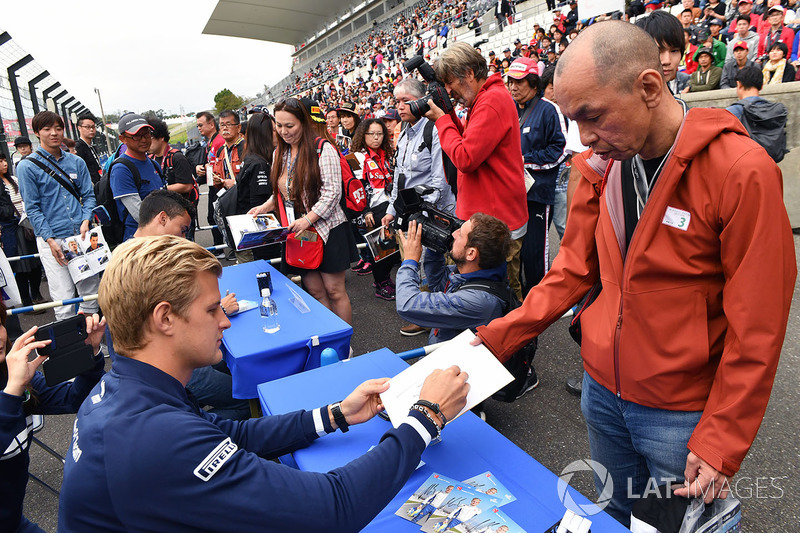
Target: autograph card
pixel 493 521
pixel 435 494
pixel 492 487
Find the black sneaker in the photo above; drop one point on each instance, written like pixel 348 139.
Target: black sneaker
pixel 531 382
pixel 575 386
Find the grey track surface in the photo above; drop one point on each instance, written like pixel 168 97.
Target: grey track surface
pixel 546 423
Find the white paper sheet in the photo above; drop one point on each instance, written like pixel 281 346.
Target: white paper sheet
pixel 486 376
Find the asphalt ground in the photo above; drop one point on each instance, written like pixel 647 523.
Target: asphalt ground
pixel 546 423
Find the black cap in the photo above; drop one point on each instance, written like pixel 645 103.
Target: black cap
pixel 21 141
pixel 506 50
pixel 313 109
pixel 705 50
pixel 258 109
pixel 132 123
pixel 517 41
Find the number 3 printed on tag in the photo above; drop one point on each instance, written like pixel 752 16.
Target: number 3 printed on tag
pixel 677 218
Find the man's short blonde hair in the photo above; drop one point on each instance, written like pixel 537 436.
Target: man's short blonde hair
pixel 145 272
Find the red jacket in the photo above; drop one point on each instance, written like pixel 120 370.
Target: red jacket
pixel 488 157
pixel 786 37
pixel 660 333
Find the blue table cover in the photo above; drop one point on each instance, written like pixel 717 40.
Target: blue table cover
pixel 469 447
pixel 254 356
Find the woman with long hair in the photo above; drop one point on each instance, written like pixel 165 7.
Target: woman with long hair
pixel 18 240
pixel 25 394
pixel 310 188
pixel 253 186
pixel 373 149
pixel 349 119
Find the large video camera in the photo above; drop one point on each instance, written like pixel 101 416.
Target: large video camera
pixel 437 226
pixel 436 90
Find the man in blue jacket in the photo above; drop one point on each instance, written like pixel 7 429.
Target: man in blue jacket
pixel 143 457
pixel 479 250
pixel 454 301
pixel 543 141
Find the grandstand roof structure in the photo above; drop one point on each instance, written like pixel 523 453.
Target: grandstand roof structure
pixel 277 20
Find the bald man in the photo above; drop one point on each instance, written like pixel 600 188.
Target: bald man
pixel 674 209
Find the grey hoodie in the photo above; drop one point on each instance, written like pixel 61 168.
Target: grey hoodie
pixel 752 46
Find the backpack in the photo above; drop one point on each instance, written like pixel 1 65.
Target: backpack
pixel 354 197
pixel 110 161
pixel 112 223
pixel 766 124
pixel 450 170
pixel 521 360
pixel 193 195
pixel 196 154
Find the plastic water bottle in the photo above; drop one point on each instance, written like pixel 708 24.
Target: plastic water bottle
pixel 269 312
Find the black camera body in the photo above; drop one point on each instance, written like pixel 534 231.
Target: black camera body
pixel 436 90
pixel 436 225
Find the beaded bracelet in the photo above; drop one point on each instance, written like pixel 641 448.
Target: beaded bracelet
pixel 424 411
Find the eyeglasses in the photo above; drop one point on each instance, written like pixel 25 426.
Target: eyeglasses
pixel 227 125
pixel 146 134
pixel 374 134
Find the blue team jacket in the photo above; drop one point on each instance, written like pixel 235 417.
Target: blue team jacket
pixel 144 458
pixel 543 140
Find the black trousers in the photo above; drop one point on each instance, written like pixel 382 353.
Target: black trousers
pixel 535 252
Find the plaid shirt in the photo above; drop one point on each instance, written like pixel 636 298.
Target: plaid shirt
pixel 327 207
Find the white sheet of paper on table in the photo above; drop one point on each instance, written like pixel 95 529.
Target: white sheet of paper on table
pixel 486 376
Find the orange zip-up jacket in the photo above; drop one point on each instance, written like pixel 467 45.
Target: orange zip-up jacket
pixel 693 316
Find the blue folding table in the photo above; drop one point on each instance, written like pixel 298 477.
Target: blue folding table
pixel 254 356
pixel 469 447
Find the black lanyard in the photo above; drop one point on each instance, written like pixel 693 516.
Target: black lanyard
pixel 66 183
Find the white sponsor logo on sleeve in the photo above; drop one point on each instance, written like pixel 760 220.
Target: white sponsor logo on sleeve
pixel 215 460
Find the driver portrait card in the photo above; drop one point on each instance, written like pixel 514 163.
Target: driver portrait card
pixel 492 487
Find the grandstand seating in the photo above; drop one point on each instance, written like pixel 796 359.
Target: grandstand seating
pixel 325 66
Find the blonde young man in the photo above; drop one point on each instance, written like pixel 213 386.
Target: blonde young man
pixel 144 458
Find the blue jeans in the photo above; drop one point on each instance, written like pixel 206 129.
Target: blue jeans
pixel 212 387
pixel 26 526
pixel 635 443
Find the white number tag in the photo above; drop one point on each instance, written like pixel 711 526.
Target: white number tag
pixel 677 218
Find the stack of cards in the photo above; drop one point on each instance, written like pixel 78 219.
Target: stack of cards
pixel 444 504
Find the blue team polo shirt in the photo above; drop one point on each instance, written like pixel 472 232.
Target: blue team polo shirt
pixel 123 184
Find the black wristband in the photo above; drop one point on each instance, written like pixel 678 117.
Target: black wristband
pixel 435 408
pixel 338 417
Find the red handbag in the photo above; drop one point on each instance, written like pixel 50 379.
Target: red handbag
pixel 304 252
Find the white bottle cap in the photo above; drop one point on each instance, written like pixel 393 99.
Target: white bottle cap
pixel 265 292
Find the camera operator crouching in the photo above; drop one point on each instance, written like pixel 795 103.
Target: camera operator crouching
pixel 461 296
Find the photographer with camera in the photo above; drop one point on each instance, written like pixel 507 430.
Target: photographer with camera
pixel 471 293
pixel 487 154
pixel 418 161
pixel 479 248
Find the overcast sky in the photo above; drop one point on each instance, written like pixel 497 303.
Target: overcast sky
pixel 143 54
